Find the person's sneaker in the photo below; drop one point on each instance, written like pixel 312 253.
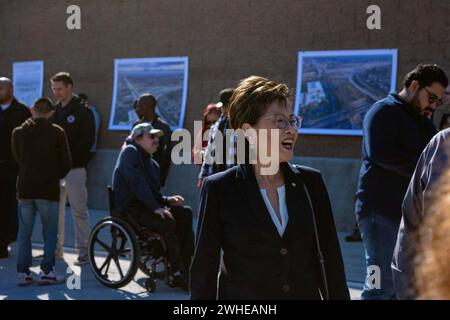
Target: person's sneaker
pixel 25 279
pixel 81 261
pixel 49 278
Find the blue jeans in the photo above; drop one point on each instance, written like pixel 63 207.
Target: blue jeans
pixel 379 235
pixel 48 211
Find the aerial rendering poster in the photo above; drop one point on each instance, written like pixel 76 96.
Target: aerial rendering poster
pixel 165 78
pixel 336 88
pixel 28 81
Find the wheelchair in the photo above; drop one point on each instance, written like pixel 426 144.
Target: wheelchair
pixel 118 247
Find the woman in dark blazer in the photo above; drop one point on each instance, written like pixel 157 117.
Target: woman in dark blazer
pixel 272 227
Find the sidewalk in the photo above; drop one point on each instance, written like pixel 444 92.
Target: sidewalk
pixel 91 289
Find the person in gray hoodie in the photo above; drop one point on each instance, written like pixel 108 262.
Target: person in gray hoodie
pixel 431 165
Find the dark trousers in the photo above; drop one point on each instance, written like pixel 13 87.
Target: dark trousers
pixel 185 234
pixel 8 207
pixel 178 234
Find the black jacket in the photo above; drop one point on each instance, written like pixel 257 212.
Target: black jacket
pixel 257 262
pixel 136 179
pixel 42 153
pixel 10 119
pixel 78 122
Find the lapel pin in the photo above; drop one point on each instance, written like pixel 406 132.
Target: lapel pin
pixel 293 184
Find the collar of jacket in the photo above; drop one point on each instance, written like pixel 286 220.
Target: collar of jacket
pixel 408 108
pixel 11 106
pixel 71 106
pixel 296 201
pixel 246 171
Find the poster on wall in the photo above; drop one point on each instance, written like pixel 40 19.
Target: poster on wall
pixel 336 88
pixel 28 81
pixel 164 78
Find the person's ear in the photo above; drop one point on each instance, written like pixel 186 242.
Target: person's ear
pixel 414 86
pixel 250 133
pixel 33 111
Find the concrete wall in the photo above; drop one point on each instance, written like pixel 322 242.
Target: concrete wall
pixel 340 176
pixel 225 42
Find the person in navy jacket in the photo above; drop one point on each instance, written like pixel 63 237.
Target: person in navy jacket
pixel 396 130
pixel 264 222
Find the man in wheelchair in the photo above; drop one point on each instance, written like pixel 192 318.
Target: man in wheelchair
pixel 137 194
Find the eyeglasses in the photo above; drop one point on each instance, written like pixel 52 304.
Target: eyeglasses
pixel 283 122
pixel 433 98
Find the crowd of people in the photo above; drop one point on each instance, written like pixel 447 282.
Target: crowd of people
pixel 258 236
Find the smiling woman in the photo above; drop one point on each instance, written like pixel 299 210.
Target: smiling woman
pixel 266 223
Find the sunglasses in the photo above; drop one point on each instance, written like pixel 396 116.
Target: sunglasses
pixel 433 98
pixel 150 135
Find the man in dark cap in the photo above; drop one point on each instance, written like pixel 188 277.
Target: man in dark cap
pixel 221 125
pixel 137 194
pixel 145 108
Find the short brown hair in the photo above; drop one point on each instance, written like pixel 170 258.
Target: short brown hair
pixel 63 77
pixel 426 75
pixel 43 105
pixel 252 97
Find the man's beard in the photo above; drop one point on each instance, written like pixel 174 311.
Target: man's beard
pixel 418 109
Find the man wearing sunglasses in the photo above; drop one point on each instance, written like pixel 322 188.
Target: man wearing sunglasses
pixel 137 195
pixel 396 129
pixel 145 108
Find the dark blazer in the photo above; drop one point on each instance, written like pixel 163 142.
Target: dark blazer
pixel 257 262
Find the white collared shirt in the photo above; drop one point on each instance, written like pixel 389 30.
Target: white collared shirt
pixel 280 225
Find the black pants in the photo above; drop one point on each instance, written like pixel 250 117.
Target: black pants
pixel 178 234
pixel 8 206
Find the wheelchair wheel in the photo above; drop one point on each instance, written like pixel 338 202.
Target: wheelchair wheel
pixel 113 252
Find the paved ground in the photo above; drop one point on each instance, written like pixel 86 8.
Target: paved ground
pixel 91 289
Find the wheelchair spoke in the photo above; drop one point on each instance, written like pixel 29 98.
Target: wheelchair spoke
pixel 123 252
pixel 108 249
pixel 114 242
pixel 107 261
pixel 107 267
pixel 116 261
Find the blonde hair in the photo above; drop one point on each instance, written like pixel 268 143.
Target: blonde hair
pixel 433 259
